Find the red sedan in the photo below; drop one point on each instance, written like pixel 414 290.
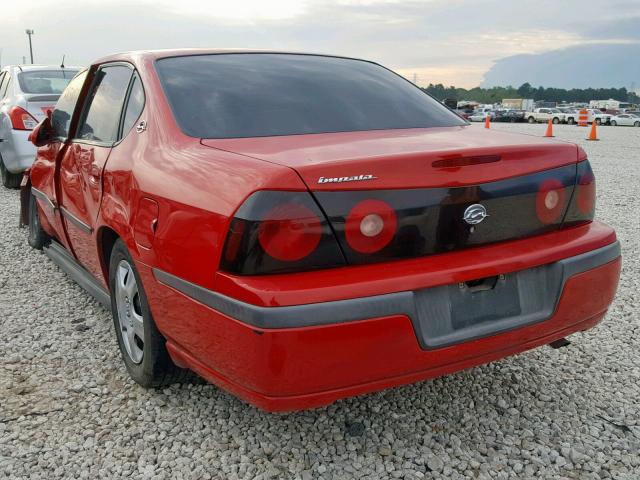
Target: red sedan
pixel 302 228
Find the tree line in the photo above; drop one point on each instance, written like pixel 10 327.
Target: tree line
pixel 526 90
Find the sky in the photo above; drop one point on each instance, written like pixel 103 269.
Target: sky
pixel 455 42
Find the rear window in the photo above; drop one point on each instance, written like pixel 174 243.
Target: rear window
pixel 256 95
pixel 45 81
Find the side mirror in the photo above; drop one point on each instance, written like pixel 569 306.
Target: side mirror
pixel 43 133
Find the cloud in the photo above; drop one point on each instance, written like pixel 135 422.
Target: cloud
pixel 593 65
pixel 452 41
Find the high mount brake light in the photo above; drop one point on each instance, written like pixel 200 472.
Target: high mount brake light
pixel 21 119
pixel 277 231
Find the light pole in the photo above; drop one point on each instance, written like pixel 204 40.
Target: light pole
pixel 30 32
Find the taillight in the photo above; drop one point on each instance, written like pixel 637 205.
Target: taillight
pixel 550 201
pixel 583 203
pixel 277 231
pixel 21 119
pixel 290 232
pixel 370 226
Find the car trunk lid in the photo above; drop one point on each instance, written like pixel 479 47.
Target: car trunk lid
pixel 399 194
pixel 412 158
pixel 39 104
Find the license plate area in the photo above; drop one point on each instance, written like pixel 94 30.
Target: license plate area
pixel 457 313
pixel 484 300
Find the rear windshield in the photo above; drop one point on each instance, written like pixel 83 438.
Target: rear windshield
pixel 256 95
pixel 45 81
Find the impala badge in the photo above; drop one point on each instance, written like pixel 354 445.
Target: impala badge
pixel 355 178
pixel 474 214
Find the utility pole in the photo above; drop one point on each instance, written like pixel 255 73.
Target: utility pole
pixel 30 32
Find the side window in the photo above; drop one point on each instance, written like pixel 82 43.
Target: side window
pixel 63 111
pixel 2 79
pixel 6 80
pixel 7 87
pixel 104 105
pixel 135 105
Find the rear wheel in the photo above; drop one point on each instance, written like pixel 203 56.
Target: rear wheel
pixel 531 120
pixel 571 121
pixel 37 238
pixel 142 346
pixel 614 123
pixel 556 120
pixel 637 124
pixel 9 180
pixel 598 121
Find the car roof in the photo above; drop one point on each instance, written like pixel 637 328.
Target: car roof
pixel 182 52
pixel 35 68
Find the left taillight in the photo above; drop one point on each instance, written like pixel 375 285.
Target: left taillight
pixel 279 231
pixel 582 207
pixel 21 119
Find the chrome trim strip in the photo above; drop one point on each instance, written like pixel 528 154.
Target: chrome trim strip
pixel 43 196
pixel 340 311
pixel 76 221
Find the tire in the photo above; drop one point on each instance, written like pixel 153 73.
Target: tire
pixel 598 121
pixel 9 180
pixel 531 120
pixel 571 121
pixel 37 238
pixel 637 124
pixel 555 120
pixel 141 344
pixel 614 123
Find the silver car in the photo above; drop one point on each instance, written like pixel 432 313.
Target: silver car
pixel 626 119
pixel 27 92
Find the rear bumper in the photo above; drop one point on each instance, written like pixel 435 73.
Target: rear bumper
pixel 18 153
pixel 303 356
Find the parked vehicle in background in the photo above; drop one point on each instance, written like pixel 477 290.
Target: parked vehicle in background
pixel 626 120
pixel 463 113
pixel 27 92
pixel 480 116
pixel 592 115
pixel 511 116
pixel 543 115
pixel 286 258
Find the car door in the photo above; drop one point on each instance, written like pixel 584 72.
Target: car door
pixel 81 168
pixel 45 166
pixel 624 120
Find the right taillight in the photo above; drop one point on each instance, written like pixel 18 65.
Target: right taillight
pixel 279 231
pixel 583 202
pixel 21 119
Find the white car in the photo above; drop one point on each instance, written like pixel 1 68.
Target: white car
pixel 544 115
pixel 27 92
pixel 626 119
pixel 480 116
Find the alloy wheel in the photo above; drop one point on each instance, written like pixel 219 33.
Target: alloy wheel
pixel 130 318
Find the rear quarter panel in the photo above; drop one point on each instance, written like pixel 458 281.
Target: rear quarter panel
pixel 197 190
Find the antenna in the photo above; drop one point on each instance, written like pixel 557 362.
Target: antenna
pixel 62 64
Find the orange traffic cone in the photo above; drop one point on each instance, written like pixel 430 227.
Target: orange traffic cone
pixel 593 134
pixel 487 122
pixel 549 132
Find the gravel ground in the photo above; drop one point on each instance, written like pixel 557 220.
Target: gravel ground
pixel 68 409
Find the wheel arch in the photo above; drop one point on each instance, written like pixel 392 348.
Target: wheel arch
pixel 106 238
